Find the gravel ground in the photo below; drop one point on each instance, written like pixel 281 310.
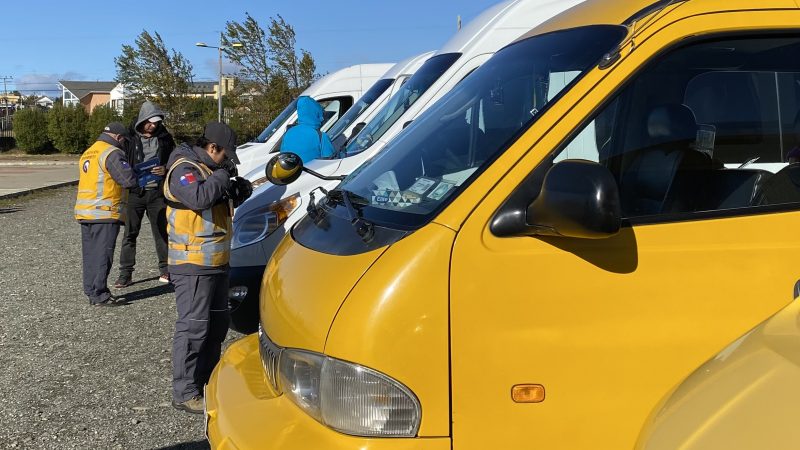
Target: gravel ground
pixel 74 376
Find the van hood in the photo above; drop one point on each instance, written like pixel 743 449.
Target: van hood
pixel 302 291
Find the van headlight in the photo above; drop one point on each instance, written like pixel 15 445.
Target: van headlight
pixel 348 397
pixel 259 181
pixel 261 222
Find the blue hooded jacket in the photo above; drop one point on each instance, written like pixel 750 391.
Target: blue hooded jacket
pixel 305 139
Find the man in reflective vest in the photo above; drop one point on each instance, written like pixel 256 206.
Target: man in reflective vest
pixel 200 195
pixel 105 176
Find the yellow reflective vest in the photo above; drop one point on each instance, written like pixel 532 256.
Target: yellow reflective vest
pixel 100 197
pixel 202 238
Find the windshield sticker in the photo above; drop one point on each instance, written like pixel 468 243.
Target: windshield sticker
pixel 399 199
pixel 387 181
pixel 706 135
pixel 422 185
pixel 440 191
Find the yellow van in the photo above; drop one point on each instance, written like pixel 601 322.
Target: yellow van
pixel 745 397
pixel 545 254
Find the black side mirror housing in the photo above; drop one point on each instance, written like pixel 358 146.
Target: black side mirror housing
pixel 578 199
pixel 407 124
pixel 357 129
pixel 284 168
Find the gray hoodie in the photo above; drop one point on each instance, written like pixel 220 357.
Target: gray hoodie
pixel 149 145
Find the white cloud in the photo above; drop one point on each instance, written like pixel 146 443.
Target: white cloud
pixel 211 67
pixel 43 84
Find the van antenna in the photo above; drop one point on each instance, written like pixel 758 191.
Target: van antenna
pixel 458 22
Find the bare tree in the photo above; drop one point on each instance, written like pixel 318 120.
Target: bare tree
pixel 150 70
pixel 254 65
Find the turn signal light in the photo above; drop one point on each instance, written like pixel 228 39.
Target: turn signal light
pixel 527 393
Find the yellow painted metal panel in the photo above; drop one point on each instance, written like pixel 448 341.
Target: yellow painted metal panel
pixel 396 321
pixel 302 290
pixel 747 396
pixel 243 414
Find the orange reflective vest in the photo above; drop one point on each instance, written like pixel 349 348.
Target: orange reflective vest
pixel 202 238
pixel 100 197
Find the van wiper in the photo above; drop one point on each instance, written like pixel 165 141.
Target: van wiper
pixel 364 228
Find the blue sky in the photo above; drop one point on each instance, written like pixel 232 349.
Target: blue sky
pixel 79 40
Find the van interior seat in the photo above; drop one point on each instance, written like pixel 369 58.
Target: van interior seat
pixel 647 177
pixel 783 187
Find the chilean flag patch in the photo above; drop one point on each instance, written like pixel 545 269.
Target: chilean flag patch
pixel 187 179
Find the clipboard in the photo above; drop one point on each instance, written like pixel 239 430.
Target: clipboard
pixel 143 174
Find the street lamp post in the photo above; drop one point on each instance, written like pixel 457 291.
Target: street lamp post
pixel 219 86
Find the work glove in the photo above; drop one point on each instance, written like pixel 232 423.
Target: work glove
pixel 230 167
pixel 241 190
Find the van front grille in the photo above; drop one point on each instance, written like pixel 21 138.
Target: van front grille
pixel 270 354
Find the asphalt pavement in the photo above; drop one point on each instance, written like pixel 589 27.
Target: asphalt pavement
pixel 76 376
pixel 22 174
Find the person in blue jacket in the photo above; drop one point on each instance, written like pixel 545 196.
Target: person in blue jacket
pixel 305 138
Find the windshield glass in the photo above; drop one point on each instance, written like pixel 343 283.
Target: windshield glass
pixel 362 104
pixel 401 101
pixel 442 151
pixel 275 124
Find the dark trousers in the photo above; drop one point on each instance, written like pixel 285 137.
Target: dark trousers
pixel 98 241
pixel 201 327
pixel 152 203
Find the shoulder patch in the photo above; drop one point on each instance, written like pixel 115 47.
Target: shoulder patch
pixel 187 179
pixel 86 166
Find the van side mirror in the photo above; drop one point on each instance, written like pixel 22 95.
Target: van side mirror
pixel 285 168
pixel 578 199
pixel 407 124
pixel 357 129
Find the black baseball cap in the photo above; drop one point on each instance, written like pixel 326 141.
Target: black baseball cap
pixel 222 135
pixel 117 128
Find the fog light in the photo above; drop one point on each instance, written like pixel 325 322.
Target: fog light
pixel 237 293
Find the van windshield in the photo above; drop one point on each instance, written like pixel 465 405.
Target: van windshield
pixel 361 105
pixel 401 101
pixel 277 122
pixel 448 145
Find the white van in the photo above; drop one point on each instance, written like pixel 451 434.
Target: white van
pixel 362 111
pixel 248 259
pixel 336 92
pixel 262 220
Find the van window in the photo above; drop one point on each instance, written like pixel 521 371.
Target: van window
pixel 708 127
pixel 333 109
pixel 400 102
pixel 277 122
pixel 361 105
pixel 440 152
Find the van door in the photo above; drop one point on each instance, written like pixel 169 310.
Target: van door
pixel 698 140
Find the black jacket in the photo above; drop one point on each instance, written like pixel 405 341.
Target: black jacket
pixel 166 144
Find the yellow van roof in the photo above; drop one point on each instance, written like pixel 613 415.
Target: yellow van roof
pixel 617 12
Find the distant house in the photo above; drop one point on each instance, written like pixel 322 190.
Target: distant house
pixel 9 100
pixel 117 98
pixel 93 93
pixel 44 102
pixel 210 88
pixel 90 94
pixel 203 89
